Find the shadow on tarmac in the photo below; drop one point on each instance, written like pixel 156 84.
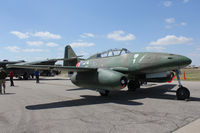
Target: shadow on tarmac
pixel 8 94
pixel 119 97
pixel 77 89
pixel 86 100
pixel 40 79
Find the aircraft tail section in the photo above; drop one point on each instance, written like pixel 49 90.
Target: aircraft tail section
pixel 69 53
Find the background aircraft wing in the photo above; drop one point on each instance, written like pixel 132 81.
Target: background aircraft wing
pixel 66 59
pixel 47 61
pixel 53 67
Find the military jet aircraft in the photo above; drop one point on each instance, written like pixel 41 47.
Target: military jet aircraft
pixel 25 73
pixel 18 71
pixel 117 68
pixel 5 62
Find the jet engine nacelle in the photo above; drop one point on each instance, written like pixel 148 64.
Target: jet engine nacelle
pixel 160 77
pixel 102 79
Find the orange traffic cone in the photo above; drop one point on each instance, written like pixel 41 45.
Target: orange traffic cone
pixel 184 75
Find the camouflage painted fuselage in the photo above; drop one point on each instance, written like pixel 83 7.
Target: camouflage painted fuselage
pixel 139 62
pixel 138 65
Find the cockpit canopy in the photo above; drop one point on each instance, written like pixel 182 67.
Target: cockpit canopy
pixel 111 52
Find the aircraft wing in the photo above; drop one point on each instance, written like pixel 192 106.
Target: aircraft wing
pixel 65 59
pixel 53 67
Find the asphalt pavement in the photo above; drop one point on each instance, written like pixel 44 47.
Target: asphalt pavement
pixel 55 105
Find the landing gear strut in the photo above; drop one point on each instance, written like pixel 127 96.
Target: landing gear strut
pixel 182 93
pixel 133 85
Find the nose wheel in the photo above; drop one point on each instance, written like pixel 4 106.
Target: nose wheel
pixel 182 93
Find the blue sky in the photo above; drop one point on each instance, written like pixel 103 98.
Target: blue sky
pixel 40 29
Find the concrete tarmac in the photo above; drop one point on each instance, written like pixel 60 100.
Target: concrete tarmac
pixel 55 105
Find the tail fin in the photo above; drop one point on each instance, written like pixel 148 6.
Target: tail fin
pixel 69 53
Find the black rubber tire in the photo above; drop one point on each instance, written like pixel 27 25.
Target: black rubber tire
pixel 25 76
pixel 133 85
pixel 182 93
pixel 105 93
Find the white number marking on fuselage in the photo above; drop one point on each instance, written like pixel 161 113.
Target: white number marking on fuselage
pixel 135 57
pixel 141 58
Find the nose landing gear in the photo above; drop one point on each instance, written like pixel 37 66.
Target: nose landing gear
pixel 182 93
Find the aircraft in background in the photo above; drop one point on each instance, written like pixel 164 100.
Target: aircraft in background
pixel 27 73
pixel 24 73
pixel 5 62
pixel 115 69
pixel 18 72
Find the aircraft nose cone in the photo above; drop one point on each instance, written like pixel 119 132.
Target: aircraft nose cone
pixel 177 61
pixel 187 60
pixel 184 61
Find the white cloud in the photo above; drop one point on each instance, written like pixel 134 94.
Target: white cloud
pixel 119 36
pixel 154 48
pixel 43 35
pixel 13 49
pixel 183 23
pixel 33 50
pixel 198 49
pixel 185 1
pixel 171 39
pixel 85 35
pixel 16 49
pixel 81 44
pixel 46 35
pixel 20 35
pixel 51 44
pixel 34 43
pixel 170 20
pixel 167 3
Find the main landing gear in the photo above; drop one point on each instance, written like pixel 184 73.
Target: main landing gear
pixel 182 93
pixel 133 85
pixel 104 92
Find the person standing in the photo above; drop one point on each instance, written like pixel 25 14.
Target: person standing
pixel 3 76
pixel 37 73
pixel 11 75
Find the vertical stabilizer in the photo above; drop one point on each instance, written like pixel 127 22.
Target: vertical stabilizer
pixel 69 53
